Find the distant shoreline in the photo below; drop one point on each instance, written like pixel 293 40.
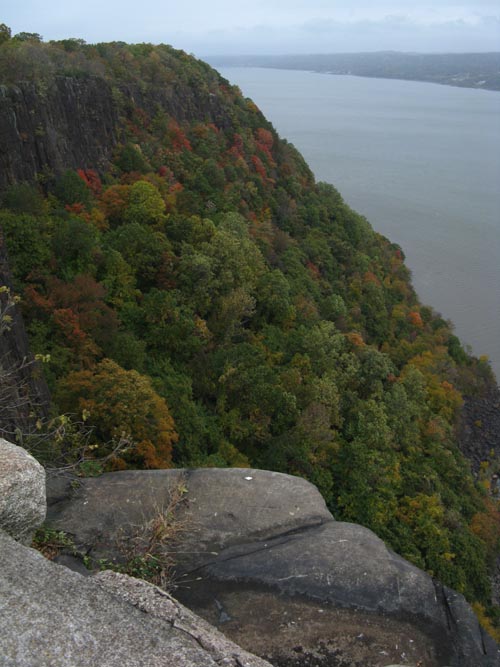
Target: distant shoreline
pixel 479 71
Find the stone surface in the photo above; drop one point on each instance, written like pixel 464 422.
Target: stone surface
pixel 263 559
pixel 22 492
pixel 345 567
pixel 52 617
pixel 221 507
pixel 75 123
pixel 152 600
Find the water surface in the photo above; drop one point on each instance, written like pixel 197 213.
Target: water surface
pixel 421 161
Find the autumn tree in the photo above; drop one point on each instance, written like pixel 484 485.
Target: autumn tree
pixel 120 402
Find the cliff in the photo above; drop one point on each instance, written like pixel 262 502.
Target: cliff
pixel 75 123
pixel 72 124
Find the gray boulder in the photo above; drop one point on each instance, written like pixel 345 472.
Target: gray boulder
pixel 22 492
pixel 53 617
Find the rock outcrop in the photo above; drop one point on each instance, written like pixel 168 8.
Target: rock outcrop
pixel 72 124
pixel 262 558
pixel 52 617
pixel 22 492
pixel 479 433
pixel 76 123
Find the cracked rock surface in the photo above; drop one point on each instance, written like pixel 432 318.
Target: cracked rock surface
pixel 264 560
pixel 52 617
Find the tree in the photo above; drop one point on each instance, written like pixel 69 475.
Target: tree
pixel 5 33
pixel 146 205
pixel 71 189
pixel 28 37
pixel 120 402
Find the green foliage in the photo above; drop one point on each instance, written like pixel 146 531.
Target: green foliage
pixel 51 542
pixel 71 189
pixel 130 159
pixel 5 33
pixel 146 206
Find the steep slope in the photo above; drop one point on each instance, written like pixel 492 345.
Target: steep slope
pixel 199 293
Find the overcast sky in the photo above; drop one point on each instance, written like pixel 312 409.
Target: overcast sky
pixel 209 27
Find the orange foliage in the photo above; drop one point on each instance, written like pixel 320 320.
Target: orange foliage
pixel 114 201
pixel 313 270
pixel 77 208
pixel 370 277
pixel 415 319
pixel 356 339
pixel 486 525
pixel 123 402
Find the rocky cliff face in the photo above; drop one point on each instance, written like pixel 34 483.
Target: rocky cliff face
pixel 72 124
pixel 76 123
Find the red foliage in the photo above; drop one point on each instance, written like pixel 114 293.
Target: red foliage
pixel 259 167
pixel 77 208
pixel 238 146
pixel 35 300
pixel 91 179
pixel 78 309
pixel 264 142
pixel 313 270
pixel 68 322
pixel 264 137
pixel 179 140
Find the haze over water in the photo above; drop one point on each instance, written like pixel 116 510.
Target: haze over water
pixel 421 161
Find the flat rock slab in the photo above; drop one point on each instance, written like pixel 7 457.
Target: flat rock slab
pixel 52 617
pixel 220 507
pixel 298 632
pixel 339 566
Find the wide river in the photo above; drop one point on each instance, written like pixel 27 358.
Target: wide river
pixel 421 161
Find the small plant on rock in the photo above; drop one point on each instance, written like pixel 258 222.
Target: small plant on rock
pixel 50 542
pixel 146 549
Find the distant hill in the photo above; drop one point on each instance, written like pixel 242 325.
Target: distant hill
pixel 469 70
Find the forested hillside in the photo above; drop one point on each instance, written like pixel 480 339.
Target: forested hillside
pixel 195 291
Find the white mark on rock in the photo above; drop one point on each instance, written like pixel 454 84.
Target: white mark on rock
pixel 248 478
pixel 293 576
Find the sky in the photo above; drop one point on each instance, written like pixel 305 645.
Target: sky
pixel 217 27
